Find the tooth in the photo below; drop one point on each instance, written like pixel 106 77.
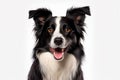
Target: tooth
pixel 62 49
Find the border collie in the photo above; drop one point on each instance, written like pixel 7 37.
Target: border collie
pixel 58 51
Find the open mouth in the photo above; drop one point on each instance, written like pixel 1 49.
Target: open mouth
pixel 58 53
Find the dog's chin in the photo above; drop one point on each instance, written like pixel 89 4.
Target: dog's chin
pixel 58 53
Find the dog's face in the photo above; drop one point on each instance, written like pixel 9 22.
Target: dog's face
pixel 58 35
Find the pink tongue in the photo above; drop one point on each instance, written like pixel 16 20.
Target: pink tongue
pixel 58 55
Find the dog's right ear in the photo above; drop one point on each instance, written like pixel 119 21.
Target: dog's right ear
pixel 78 14
pixel 41 14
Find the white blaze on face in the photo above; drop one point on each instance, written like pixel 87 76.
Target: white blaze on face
pixel 57 34
pixel 57 30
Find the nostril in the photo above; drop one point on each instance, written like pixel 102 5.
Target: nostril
pixel 58 41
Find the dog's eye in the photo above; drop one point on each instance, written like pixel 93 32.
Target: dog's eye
pixel 50 30
pixel 67 30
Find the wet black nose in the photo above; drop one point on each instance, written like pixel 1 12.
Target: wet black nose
pixel 58 40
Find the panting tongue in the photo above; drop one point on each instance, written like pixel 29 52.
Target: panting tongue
pixel 58 55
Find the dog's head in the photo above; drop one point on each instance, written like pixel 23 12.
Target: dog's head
pixel 59 35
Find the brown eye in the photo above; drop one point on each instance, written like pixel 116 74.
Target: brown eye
pixel 50 30
pixel 67 30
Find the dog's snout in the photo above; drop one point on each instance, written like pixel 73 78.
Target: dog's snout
pixel 58 40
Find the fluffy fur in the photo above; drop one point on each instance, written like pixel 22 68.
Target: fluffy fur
pixel 58 51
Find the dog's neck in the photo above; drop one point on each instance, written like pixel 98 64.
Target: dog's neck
pixel 57 70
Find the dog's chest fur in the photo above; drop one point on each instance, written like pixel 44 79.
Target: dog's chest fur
pixel 57 70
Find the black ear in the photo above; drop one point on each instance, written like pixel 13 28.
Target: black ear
pixel 78 14
pixel 32 13
pixel 41 14
pixel 86 10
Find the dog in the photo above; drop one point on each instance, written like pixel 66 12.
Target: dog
pixel 58 51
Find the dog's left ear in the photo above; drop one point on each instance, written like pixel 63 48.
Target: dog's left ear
pixel 41 14
pixel 78 14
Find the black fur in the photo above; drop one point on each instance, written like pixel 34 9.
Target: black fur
pixel 75 20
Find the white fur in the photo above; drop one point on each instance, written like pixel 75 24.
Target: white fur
pixel 57 70
pixel 57 34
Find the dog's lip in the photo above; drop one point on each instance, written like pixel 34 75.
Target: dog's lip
pixel 57 49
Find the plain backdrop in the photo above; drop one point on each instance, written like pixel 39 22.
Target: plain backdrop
pixel 102 40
